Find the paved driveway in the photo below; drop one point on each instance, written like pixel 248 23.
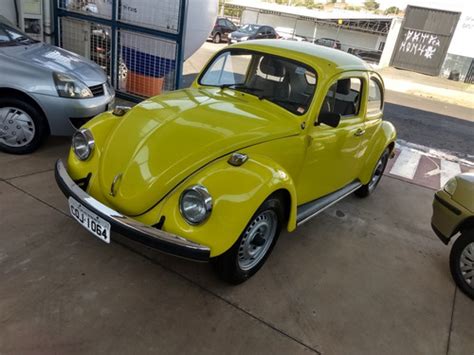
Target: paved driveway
pixel 365 277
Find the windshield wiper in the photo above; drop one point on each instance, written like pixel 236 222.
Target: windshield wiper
pixel 282 101
pixel 240 87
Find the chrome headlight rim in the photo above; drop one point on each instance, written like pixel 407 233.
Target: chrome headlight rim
pixel 451 186
pixel 206 200
pixel 89 144
pixel 71 88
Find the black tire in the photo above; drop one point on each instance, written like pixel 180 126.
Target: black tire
pixel 216 38
pixel 227 265
pixel 465 240
pixel 369 188
pixel 39 122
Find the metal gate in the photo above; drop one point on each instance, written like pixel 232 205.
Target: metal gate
pixel 138 43
pixel 424 39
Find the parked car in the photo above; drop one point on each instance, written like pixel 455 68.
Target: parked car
pixel 221 30
pixel 453 216
pixel 250 31
pixel 215 171
pixel 45 90
pixel 328 42
pixel 367 55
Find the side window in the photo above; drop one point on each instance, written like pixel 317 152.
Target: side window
pixel 221 23
pixel 375 99
pixel 343 97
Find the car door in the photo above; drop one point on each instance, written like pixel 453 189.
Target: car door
pixel 373 109
pixel 260 34
pixel 332 158
pixel 230 27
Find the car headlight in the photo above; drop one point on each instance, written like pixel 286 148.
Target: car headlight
pixel 70 87
pixel 195 204
pixel 244 38
pixel 450 186
pixel 83 144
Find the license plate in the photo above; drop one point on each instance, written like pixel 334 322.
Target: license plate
pixel 90 221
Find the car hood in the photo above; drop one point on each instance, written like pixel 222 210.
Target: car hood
pixel 59 60
pixel 163 140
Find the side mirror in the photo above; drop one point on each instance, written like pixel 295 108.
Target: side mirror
pixel 329 118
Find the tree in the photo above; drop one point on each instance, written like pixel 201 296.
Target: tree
pixel 371 5
pixel 392 10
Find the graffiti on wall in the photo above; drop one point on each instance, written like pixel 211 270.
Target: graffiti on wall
pixel 419 43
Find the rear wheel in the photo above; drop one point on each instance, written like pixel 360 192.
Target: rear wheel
pixel 255 244
pixel 217 38
pixel 461 262
pixel 22 126
pixel 367 189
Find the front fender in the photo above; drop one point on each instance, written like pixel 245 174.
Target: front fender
pixel 237 193
pixel 384 136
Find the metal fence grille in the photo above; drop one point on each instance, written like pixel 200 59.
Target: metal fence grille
pixel 139 46
pixel 150 63
pixel 163 15
pixel 88 39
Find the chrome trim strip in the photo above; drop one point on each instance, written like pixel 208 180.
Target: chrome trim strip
pixel 125 223
pixel 356 186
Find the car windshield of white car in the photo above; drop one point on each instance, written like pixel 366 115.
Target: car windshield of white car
pixel 282 81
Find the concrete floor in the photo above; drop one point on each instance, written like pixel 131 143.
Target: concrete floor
pixel 365 277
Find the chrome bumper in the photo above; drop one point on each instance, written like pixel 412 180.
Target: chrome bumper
pixel 128 227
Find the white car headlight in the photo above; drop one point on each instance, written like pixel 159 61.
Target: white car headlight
pixel 70 87
pixel 450 186
pixel 244 38
pixel 195 204
pixel 83 144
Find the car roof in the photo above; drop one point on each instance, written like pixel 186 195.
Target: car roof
pixel 308 53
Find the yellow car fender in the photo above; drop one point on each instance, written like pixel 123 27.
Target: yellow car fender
pixel 384 137
pixel 101 126
pixel 237 192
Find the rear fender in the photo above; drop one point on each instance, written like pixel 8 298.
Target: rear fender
pixel 383 137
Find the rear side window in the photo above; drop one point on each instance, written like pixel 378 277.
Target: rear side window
pixel 375 99
pixel 343 97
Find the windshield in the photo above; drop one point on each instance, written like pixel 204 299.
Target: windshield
pixel 10 36
pixel 284 82
pixel 249 28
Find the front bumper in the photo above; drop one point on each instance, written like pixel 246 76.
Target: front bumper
pixel 62 112
pixel 128 227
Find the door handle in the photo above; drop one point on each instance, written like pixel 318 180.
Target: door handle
pixel 359 132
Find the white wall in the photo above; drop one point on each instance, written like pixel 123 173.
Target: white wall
pixel 461 43
pixel 7 9
pixel 390 42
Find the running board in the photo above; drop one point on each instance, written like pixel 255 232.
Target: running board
pixel 310 209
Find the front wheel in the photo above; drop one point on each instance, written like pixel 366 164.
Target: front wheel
pixel 22 126
pixel 251 250
pixel 367 189
pixel 461 262
pixel 217 38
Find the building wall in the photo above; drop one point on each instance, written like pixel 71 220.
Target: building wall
pixel 7 10
pixel 311 30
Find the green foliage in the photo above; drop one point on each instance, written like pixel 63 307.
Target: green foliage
pixel 371 5
pixel 353 8
pixel 392 10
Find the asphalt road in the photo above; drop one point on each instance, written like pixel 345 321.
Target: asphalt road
pixel 431 123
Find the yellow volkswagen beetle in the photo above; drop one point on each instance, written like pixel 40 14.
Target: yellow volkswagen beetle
pixel 269 135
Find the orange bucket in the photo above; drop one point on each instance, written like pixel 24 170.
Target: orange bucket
pixel 144 85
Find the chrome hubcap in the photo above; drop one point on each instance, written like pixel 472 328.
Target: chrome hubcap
pixel 257 239
pixel 377 173
pixel 467 264
pixel 17 128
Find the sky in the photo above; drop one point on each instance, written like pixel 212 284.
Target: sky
pixel 440 4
